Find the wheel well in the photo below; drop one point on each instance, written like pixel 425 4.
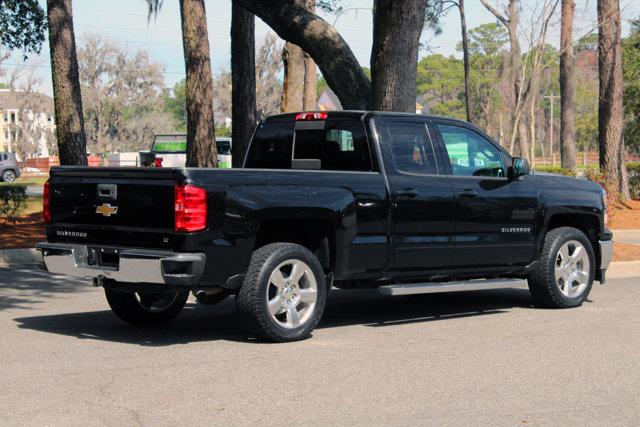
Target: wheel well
pixel 314 234
pixel 588 224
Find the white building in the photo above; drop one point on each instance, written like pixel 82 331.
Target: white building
pixel 25 118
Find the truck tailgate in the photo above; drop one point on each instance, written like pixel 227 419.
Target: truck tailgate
pixel 126 206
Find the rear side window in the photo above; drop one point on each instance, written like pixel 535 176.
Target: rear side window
pixel 338 144
pixel 411 146
pixel 271 146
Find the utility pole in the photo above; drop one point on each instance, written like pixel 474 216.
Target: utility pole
pixel 552 98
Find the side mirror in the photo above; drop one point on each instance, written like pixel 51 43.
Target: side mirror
pixel 520 167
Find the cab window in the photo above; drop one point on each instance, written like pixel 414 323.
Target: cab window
pixel 334 144
pixel 470 153
pixel 411 146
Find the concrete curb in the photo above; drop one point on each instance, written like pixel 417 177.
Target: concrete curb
pixel 11 257
pixel 623 270
pixel 626 236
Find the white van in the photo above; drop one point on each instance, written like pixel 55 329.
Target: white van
pixel 170 151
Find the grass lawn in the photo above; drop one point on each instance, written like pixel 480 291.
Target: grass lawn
pixel 28 180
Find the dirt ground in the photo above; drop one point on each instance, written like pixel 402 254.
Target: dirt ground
pixel 626 252
pixel 625 216
pixel 23 232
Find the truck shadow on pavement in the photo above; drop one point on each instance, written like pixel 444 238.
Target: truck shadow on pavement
pixel 221 322
pixel 25 287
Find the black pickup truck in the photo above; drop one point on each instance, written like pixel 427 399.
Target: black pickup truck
pixel 405 203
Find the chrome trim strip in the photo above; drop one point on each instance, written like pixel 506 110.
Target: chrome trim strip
pixel 467 285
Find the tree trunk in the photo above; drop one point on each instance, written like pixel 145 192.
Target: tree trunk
pixel 567 88
pixel 310 73
pixel 523 137
pixel 515 60
pixel 465 59
pixel 310 84
pixel 293 81
pixel 321 41
pixel 243 82
pixel 72 146
pixel 515 64
pixel 397 27
pixel 532 130
pixel 201 142
pixel 610 106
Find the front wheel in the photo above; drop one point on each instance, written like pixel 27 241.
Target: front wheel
pixel 564 275
pixel 8 176
pixel 283 294
pixel 146 308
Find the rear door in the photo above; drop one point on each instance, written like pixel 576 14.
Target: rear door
pixel 494 215
pixel 421 195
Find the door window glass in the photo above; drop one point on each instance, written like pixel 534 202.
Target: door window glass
pixel 471 154
pixel 411 146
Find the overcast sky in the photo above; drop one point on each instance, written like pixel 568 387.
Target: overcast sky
pixel 126 22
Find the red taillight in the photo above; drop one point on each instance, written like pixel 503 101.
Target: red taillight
pixel 46 203
pixel 190 208
pixel 157 162
pixel 312 116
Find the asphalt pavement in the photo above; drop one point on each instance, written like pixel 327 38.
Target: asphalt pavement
pixel 481 357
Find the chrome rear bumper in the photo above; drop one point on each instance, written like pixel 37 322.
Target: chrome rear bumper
pixel 130 265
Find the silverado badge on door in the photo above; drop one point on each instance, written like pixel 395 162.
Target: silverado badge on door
pixel 106 209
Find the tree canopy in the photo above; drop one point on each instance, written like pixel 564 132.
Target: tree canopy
pixel 22 25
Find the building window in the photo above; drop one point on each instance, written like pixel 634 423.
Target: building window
pixel 6 134
pixel 13 117
pixel 49 117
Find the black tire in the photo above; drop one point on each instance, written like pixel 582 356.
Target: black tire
pixel 544 287
pixel 251 299
pixel 211 299
pixel 8 176
pixel 130 306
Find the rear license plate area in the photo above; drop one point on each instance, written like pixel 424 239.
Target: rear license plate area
pixel 103 257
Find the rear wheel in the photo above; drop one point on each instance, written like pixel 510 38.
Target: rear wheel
pixel 8 176
pixel 284 293
pixel 565 273
pixel 146 308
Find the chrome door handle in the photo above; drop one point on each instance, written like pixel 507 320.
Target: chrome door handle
pixel 468 194
pixel 407 192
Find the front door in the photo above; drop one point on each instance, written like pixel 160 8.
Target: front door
pixel 421 196
pixel 494 214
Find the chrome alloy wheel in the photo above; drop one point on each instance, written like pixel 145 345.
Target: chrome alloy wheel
pixel 572 269
pixel 292 293
pixel 156 302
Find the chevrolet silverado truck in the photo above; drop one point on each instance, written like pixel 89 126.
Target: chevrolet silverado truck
pixel 401 202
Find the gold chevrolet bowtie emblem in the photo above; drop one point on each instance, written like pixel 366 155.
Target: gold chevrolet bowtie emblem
pixel 106 209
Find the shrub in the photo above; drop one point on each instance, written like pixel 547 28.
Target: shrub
pixel 634 187
pixel 633 168
pixel 555 169
pixel 12 200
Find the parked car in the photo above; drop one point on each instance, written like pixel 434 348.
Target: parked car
pixel 401 202
pixel 9 169
pixel 170 150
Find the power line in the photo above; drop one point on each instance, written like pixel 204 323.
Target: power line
pixel 182 73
